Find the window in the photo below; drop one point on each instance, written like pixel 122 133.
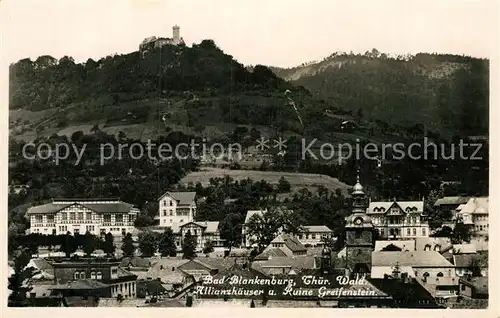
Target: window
pixel 414 232
pixel 171 213
pixel 358 234
pixel 89 216
pixel 99 275
pixel 39 219
pixel 440 274
pixel 80 215
pixel 76 275
pixel 106 218
pixel 76 231
pixel 300 236
pixel 72 216
pixel 171 203
pixel 462 287
pixel 92 275
pixel 165 203
pixel 82 275
pixel 423 232
pixel 313 236
pixel 164 212
pixel 118 218
pixel 64 216
pixel 50 218
pixel 408 231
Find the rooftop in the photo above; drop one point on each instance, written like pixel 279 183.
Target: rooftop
pixel 182 198
pixel 99 206
pixel 383 206
pixel 412 258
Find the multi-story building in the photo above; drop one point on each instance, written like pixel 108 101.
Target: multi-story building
pixel 176 209
pixel 78 216
pixel 203 231
pixel 475 213
pixel 111 279
pixel 399 219
pixel 314 235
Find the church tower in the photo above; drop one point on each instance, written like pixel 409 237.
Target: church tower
pixel 359 233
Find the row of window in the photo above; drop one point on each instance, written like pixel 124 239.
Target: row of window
pixel 481 227
pixel 397 220
pixel 170 202
pixel 312 236
pixel 83 275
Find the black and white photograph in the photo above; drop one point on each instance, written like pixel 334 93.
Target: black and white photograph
pixel 248 154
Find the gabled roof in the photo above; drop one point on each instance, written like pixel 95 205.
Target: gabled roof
pixel 209 226
pixel 413 258
pixel 443 243
pixel 456 200
pixel 290 241
pixel 317 228
pixel 464 249
pixel 382 207
pixel 476 206
pixel 182 198
pixel 270 253
pixel 480 284
pixel 251 213
pixel 467 260
pixel 292 262
pixel 150 287
pixel 135 262
pixel 42 264
pixel 112 207
pixel 408 245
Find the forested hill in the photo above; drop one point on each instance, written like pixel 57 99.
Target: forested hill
pixel 448 93
pixel 48 82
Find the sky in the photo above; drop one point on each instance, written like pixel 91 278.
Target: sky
pixel 281 33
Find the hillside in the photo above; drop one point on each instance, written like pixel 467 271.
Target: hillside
pixel 199 90
pixel 447 93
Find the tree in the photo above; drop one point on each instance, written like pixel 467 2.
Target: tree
pixel 209 247
pixel 68 244
pixel 461 233
pixel 128 247
pixel 167 243
pixel 147 243
pixel 19 281
pixel 89 243
pixel 189 246
pixel 108 245
pixel 264 228
pixel 283 185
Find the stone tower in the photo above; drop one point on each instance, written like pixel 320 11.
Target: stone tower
pixel 359 232
pixel 176 36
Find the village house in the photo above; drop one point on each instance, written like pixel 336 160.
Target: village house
pixel 104 276
pixel 78 216
pixel 314 235
pixel 449 205
pixel 427 265
pixel 177 210
pixel 475 214
pixel 474 287
pixel 399 219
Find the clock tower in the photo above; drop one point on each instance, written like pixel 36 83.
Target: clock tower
pixel 358 233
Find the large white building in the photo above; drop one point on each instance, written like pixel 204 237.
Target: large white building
pixel 177 210
pixel 399 219
pixel 475 213
pixel 78 216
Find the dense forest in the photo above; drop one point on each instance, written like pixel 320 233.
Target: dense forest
pixel 447 93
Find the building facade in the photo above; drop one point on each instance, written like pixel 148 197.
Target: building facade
pixel 399 219
pixel 78 216
pixel 314 235
pixel 204 232
pixel 475 213
pixel 114 279
pixel 176 209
